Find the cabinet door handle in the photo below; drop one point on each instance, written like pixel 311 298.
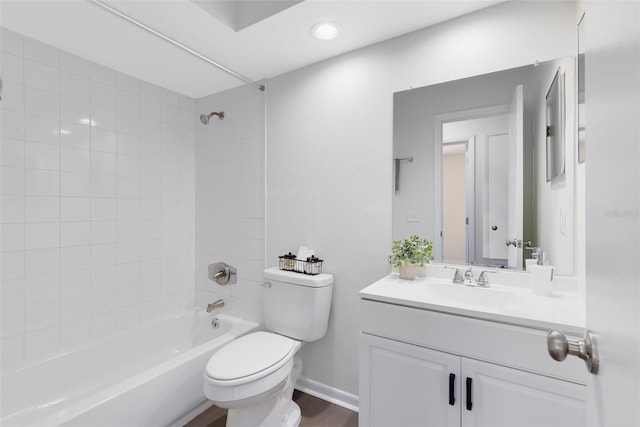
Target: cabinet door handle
pixel 452 397
pixel 469 402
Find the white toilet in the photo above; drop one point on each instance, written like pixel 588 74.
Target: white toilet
pixel 254 375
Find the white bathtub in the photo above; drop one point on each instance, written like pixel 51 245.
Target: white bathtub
pixel 148 376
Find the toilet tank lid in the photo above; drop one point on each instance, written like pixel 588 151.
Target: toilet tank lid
pixel 316 281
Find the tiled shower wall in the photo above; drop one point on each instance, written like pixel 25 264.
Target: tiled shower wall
pixel 230 199
pixel 97 197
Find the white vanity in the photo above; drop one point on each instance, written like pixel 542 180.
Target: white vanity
pixel 433 353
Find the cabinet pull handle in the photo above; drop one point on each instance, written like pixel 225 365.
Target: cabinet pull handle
pixel 469 402
pixel 452 397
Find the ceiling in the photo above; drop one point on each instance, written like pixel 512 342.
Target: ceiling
pixel 274 44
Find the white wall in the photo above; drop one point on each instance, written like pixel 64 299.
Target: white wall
pixel 329 149
pixel 97 217
pixel 230 199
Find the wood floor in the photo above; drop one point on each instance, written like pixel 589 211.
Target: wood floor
pixel 315 413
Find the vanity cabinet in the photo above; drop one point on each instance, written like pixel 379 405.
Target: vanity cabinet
pixel 433 372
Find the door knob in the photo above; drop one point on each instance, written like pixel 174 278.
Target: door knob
pixel 559 347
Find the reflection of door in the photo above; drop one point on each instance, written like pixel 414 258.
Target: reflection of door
pixel 516 183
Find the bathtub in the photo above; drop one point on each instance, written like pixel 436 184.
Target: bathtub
pixel 148 376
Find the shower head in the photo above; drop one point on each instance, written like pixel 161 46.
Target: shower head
pixel 204 118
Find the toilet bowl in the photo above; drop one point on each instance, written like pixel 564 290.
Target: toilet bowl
pixel 254 376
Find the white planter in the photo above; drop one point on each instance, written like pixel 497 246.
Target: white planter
pixel 408 272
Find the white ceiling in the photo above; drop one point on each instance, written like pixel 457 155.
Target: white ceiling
pixel 270 47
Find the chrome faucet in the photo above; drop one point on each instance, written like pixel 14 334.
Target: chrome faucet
pixel 214 305
pixel 483 280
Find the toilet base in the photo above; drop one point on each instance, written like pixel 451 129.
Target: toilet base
pixel 278 410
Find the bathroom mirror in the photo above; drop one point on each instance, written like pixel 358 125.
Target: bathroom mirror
pixel 476 185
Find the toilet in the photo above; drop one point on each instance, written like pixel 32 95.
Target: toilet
pixel 254 375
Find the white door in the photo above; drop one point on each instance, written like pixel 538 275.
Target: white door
pixel 406 385
pixel 612 94
pixel 516 183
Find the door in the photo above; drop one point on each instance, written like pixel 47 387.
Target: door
pixel 516 179
pixel 494 395
pixel 612 95
pixel 405 385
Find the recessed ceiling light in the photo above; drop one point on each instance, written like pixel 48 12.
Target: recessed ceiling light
pixel 325 30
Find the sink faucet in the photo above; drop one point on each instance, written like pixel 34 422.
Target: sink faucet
pixel 214 305
pixel 483 280
pixel 457 276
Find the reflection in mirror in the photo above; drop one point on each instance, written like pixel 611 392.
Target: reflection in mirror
pixel 477 187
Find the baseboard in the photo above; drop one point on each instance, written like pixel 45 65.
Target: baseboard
pixel 330 394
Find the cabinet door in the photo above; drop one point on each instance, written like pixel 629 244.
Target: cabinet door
pixel 405 385
pixel 501 396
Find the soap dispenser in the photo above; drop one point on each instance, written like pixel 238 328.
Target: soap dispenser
pixel 535 254
pixel 541 276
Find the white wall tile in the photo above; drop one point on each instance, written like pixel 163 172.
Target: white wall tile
pixel 75 332
pixel 41 262
pixel 74 86
pixel 41 76
pixel 74 258
pixel 41 129
pixel 103 140
pixel 76 282
pixel 12 96
pixel 103 74
pixel 40 52
pixel 12 265
pixel 75 233
pixel 41 208
pixel 75 307
pixel 38 102
pixel 41 235
pixel 40 342
pixel 75 110
pixel 72 161
pixel 128 83
pixel 75 136
pixel 12 322
pixel 41 288
pixel 128 145
pixel 103 163
pixel 75 160
pixel 103 324
pixel 103 186
pixel 11 351
pixel 12 153
pixel 104 117
pixel 104 255
pixel 11 42
pixel 75 184
pixel 103 209
pixel 39 182
pixel 13 237
pixel 12 124
pixel 75 209
pixel 75 64
pixel 104 95
pixel 42 156
pixel 128 102
pixel 103 232
pixel 12 293
pixel 12 67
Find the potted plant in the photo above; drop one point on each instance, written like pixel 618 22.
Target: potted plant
pixel 409 255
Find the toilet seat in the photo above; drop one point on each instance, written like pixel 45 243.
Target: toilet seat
pixel 249 366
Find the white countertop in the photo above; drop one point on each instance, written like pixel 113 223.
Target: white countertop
pixel 515 305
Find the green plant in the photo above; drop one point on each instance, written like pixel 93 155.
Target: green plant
pixel 412 250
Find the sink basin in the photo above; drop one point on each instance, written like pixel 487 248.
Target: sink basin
pixel 474 296
pixel 504 303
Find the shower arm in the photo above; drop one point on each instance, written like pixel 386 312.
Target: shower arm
pixel 177 44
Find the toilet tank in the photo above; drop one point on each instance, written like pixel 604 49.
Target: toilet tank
pixel 295 304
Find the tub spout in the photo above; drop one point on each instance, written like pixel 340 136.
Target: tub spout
pixel 216 304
